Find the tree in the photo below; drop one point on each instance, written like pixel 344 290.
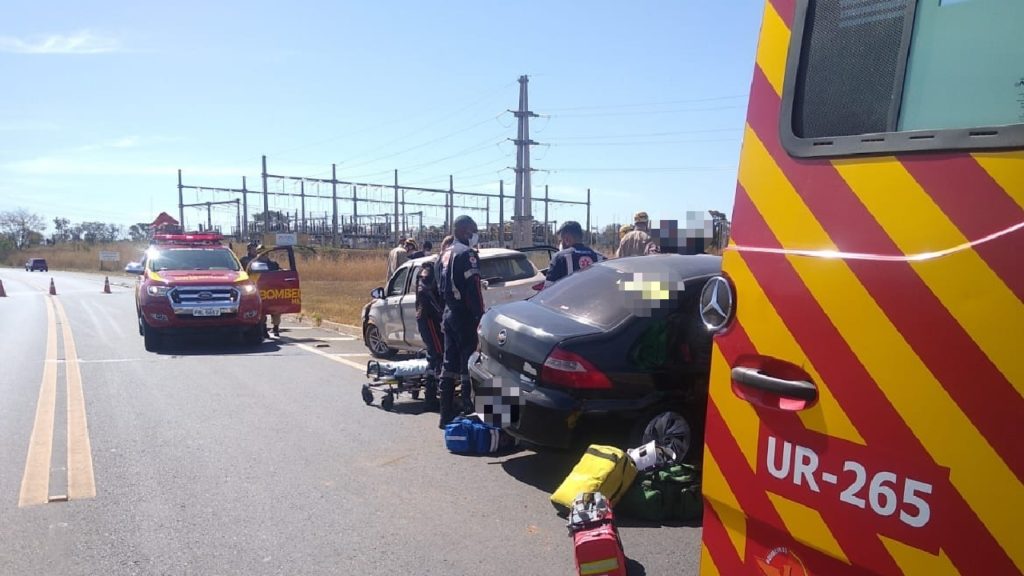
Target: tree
pixel 19 225
pixel 93 232
pixel 138 232
pixel 60 227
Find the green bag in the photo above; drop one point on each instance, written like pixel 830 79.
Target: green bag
pixel 667 494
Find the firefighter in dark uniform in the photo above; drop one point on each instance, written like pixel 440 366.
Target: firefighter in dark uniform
pixel 463 307
pixel 429 313
pixel 574 255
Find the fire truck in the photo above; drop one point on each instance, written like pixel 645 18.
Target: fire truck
pixel 193 283
pixel 867 387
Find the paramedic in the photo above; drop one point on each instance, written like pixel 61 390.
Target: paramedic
pixel 460 288
pixel 573 256
pixel 429 313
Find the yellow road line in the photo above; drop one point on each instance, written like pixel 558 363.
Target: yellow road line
pixel 81 482
pixel 35 483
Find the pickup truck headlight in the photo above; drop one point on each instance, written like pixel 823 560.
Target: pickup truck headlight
pixel 247 289
pixel 157 290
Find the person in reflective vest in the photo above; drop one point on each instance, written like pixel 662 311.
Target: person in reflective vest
pixel 574 255
pixel 461 290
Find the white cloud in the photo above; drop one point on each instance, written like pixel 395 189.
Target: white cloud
pixel 82 42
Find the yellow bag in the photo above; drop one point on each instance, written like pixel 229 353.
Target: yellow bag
pixel 604 469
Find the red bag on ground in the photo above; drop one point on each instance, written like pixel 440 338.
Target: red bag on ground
pixel 595 539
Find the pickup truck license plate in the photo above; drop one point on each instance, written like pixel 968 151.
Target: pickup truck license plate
pixel 206 312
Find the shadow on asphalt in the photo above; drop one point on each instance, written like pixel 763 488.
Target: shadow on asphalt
pixel 634 568
pixel 542 470
pixel 210 346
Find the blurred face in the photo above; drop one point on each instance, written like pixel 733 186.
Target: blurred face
pixel 567 240
pixel 463 232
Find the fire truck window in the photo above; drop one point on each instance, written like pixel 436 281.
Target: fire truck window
pixel 850 67
pixel 966 65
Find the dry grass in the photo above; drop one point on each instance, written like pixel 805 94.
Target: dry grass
pixel 335 283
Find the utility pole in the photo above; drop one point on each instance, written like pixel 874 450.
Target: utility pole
pixel 523 230
pixel 302 193
pixel 396 207
pixel 334 204
pixel 181 203
pixel 546 229
pixel 451 205
pixel 266 203
pixel 244 230
pixel 501 212
pixel 591 240
pixel 355 216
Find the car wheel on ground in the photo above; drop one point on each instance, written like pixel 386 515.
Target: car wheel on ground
pixel 375 342
pixel 151 338
pixel 253 336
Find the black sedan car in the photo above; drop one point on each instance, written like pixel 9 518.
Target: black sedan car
pixel 623 338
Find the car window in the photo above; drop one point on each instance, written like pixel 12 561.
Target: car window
pixel 594 296
pixel 415 275
pixel 192 259
pixel 507 268
pixel 397 285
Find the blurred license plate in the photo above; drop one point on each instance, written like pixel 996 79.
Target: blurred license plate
pixel 206 312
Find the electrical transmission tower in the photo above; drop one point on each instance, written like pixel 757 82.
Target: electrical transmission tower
pixel 522 228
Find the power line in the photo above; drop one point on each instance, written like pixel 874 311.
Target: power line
pixel 649 112
pixel 647 134
pixel 642 104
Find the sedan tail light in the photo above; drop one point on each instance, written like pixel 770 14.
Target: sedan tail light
pixel 569 370
pixel 538 286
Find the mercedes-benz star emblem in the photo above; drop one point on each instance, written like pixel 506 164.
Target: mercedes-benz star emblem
pixel 502 337
pixel 716 303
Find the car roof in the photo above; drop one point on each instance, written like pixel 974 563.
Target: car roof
pixel 686 266
pixel 485 254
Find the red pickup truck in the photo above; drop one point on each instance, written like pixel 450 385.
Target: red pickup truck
pixel 192 283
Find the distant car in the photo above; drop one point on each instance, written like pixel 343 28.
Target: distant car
pixel 389 320
pixel 623 338
pixel 36 264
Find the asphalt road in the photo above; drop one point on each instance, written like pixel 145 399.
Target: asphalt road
pixel 211 458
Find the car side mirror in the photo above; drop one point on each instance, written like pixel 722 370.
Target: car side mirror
pixel 259 267
pixel 377 293
pixel 133 268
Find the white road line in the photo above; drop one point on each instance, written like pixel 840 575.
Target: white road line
pixel 329 356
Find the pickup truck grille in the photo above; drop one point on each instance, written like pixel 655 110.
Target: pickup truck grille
pixel 204 295
pixel 213 300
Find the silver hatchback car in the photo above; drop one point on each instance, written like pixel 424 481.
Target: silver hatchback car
pixel 389 320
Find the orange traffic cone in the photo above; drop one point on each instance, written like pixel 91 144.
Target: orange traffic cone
pixel 53 289
pixel 106 285
pixel 2 293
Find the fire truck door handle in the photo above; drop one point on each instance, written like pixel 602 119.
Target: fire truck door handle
pixel 290 279
pixel 799 389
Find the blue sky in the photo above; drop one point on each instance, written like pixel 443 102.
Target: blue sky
pixel 641 102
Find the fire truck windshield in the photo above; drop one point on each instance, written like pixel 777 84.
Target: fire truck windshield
pixel 193 259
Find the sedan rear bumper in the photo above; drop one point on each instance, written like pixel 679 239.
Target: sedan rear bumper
pixel 544 416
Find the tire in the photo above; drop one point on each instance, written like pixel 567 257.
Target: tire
pixel 376 344
pixel 367 395
pixel 253 336
pixel 388 402
pixel 139 317
pixel 667 429
pixel 151 338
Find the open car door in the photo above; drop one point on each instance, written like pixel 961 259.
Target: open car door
pixel 540 256
pixel 279 286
